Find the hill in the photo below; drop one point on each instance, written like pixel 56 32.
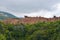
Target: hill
pixel 30 20
pixel 5 15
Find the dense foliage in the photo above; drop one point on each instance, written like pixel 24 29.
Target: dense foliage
pixel 38 31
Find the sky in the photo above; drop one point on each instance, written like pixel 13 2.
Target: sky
pixel 33 8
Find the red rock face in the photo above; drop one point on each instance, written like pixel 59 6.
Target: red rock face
pixel 30 20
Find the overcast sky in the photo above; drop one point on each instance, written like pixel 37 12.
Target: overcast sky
pixel 44 8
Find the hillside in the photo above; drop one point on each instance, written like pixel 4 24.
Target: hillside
pixel 5 15
pixel 30 20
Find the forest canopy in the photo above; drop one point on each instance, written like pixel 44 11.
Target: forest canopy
pixel 38 31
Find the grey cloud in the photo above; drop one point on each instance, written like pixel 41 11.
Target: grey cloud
pixel 29 7
pixel 25 6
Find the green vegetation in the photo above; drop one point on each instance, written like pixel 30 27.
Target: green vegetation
pixel 38 31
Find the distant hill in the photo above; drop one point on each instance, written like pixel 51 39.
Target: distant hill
pixel 5 15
